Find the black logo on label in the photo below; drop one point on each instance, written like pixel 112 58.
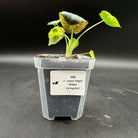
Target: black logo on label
pixel 55 83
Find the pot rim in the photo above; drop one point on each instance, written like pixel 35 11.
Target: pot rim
pixel 82 62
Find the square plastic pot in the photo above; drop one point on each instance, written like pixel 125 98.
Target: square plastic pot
pixel 61 105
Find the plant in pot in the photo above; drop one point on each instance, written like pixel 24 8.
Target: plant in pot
pixel 63 79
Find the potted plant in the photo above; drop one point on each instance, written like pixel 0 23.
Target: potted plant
pixel 63 79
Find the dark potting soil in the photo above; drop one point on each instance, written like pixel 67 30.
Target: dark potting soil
pixel 49 56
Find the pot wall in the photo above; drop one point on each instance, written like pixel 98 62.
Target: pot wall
pixel 61 105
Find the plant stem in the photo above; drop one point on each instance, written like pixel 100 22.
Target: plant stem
pixel 72 33
pixel 66 40
pixel 89 29
pixel 79 54
pixel 69 45
pixel 66 36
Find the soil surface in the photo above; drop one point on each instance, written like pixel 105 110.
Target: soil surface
pixel 49 56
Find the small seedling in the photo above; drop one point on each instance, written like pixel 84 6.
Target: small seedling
pixel 74 24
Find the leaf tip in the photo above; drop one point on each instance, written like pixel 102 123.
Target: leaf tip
pixel 91 53
pixel 120 26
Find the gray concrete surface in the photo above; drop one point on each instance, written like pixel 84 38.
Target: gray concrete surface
pixel 111 109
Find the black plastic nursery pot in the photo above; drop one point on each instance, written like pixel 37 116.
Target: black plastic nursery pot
pixel 63 84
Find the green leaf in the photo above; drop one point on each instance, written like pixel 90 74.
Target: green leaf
pixel 109 19
pixel 73 43
pixel 91 53
pixel 55 35
pixel 70 20
pixel 54 22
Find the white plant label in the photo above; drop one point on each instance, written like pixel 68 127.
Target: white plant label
pixel 67 82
